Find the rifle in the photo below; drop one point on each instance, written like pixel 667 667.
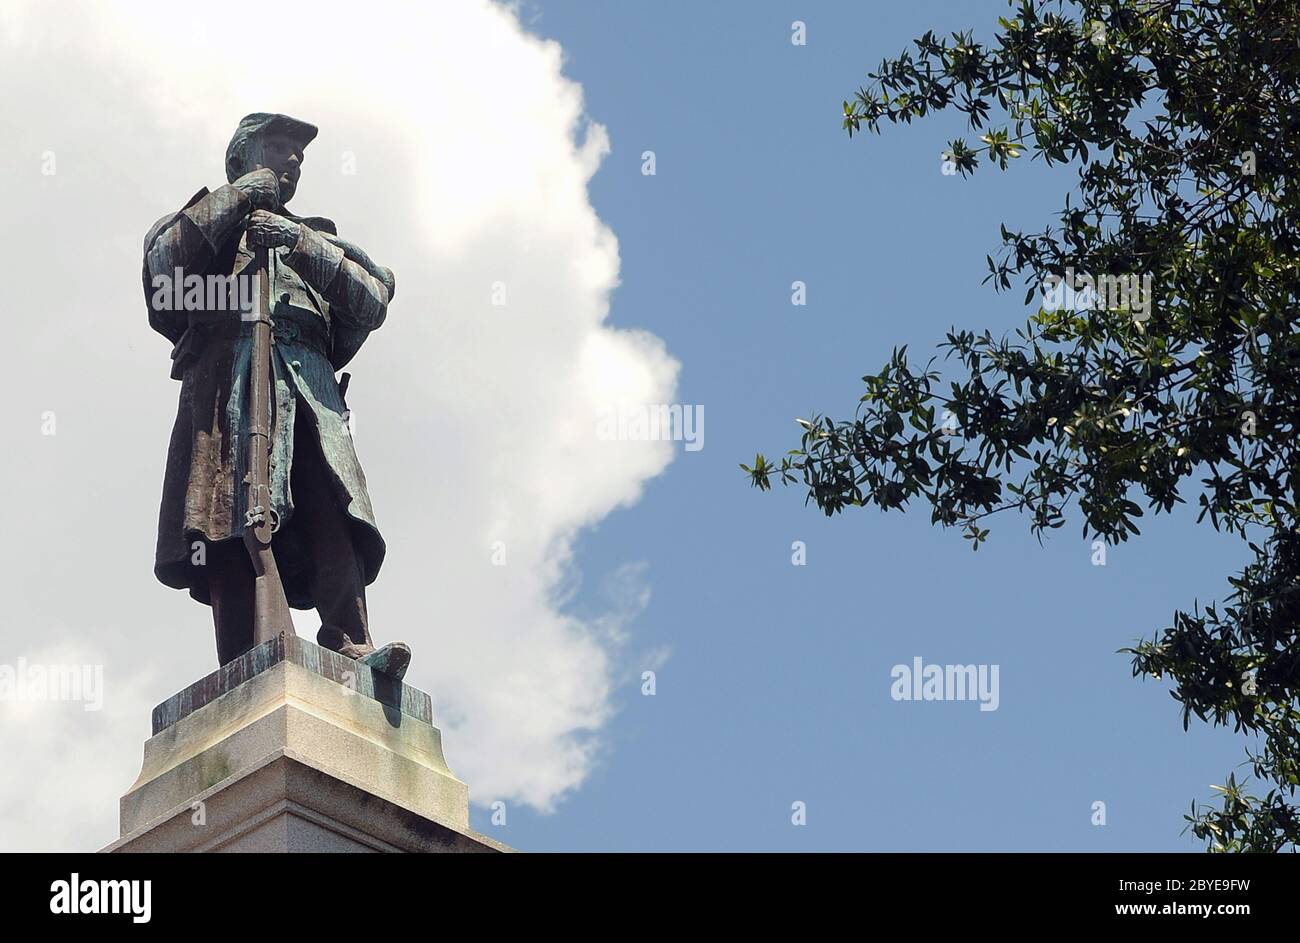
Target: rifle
pixel 270 608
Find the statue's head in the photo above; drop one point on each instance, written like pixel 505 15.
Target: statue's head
pixel 274 141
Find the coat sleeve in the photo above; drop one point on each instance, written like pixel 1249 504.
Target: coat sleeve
pixel 189 241
pixel 358 300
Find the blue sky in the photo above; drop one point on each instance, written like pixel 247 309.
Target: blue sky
pixel 777 689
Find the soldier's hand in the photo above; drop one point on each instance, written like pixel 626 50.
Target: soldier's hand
pixel 267 229
pixel 261 187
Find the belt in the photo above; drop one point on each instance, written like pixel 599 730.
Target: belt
pixel 289 325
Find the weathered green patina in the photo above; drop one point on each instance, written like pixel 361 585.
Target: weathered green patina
pixel 327 297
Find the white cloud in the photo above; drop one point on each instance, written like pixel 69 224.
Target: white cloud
pixel 475 422
pixel 67 765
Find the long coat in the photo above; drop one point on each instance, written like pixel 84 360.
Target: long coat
pixel 324 305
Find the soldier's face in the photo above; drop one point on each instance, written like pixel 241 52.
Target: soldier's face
pixel 284 156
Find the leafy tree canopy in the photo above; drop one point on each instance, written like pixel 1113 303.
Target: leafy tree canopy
pixel 1182 119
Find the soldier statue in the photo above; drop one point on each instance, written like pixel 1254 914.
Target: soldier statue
pixel 324 297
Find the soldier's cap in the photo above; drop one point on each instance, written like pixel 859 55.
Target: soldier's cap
pixel 258 124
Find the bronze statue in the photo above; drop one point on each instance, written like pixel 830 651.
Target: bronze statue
pixel 264 503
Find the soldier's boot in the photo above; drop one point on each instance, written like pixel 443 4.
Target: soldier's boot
pixel 391 659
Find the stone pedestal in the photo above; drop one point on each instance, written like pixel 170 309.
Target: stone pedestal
pixel 295 748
